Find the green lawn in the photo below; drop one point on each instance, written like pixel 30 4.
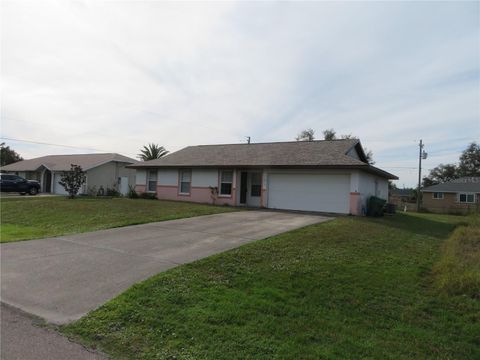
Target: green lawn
pixel 40 217
pixel 351 288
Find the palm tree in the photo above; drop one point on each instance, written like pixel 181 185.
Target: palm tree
pixel 152 152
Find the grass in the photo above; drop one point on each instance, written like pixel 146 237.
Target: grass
pixel 33 218
pixel 351 288
pixel 458 270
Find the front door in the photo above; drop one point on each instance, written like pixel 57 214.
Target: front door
pixel 124 185
pixel 243 187
pixel 47 181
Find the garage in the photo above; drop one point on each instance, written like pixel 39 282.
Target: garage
pixel 309 192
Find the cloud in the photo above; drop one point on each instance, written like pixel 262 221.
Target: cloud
pixel 116 75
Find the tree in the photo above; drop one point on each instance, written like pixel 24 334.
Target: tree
pixel 369 156
pixel 440 174
pixel 152 152
pixel 470 161
pixel 72 180
pixel 306 135
pixel 8 156
pixel 329 134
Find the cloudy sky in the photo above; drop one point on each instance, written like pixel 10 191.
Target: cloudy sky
pixel 112 76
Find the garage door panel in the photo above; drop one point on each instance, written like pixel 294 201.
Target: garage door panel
pixel 57 188
pixel 309 192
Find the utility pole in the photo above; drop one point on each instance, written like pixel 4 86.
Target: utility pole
pixel 421 155
pixel 248 139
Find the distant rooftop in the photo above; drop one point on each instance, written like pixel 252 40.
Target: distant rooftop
pixel 63 162
pixel 466 184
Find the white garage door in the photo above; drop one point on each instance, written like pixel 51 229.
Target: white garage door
pixel 309 192
pixel 57 188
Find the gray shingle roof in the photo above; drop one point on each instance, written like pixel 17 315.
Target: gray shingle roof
pixel 295 154
pixel 466 184
pixel 63 162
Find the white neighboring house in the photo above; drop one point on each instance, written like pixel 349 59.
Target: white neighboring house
pixel 323 176
pixel 106 170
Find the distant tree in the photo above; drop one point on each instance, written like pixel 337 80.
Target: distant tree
pixel 369 156
pixel 391 185
pixel 329 134
pixel 8 156
pixel 306 135
pixel 72 180
pixel 348 136
pixel 440 174
pixel 152 152
pixel 470 161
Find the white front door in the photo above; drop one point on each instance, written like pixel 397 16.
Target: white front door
pixel 124 185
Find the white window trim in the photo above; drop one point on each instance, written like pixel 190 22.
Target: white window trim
pixel 466 193
pixel 148 182
pixel 259 184
pixel 180 182
pixel 220 182
pixel 438 198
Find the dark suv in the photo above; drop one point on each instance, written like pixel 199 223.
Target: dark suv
pixel 15 183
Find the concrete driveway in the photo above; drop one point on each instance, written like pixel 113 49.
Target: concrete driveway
pixel 61 279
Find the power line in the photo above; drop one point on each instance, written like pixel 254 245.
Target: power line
pixel 51 144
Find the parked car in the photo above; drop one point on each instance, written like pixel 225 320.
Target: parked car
pixel 15 183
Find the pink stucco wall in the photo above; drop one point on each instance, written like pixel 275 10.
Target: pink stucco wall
pixel 140 188
pixel 197 194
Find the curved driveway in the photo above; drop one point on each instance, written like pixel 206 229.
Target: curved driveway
pixel 61 279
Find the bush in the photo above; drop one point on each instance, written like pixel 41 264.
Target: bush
pixel 92 191
pixel 101 191
pixel 132 194
pixel 458 270
pixel 73 180
pixel 112 192
pixel 149 196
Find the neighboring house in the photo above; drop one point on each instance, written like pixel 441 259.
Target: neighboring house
pixel 106 170
pixel 324 176
pixel 456 196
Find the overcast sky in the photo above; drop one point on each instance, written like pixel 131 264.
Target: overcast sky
pixel 114 76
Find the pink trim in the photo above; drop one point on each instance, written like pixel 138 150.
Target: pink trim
pixel 355 203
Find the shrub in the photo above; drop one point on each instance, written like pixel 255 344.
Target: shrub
pixel 112 192
pixel 150 196
pixel 72 180
pixel 457 272
pixel 132 194
pixel 101 191
pixel 92 191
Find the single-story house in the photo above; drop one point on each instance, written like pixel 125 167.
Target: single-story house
pixel 102 170
pixel 324 176
pixel 456 196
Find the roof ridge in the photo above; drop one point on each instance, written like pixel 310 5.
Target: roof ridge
pixel 274 142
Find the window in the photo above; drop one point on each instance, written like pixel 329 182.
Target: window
pixel 152 180
pixel 438 195
pixel 185 181
pixel 226 180
pixel 256 187
pixel 466 198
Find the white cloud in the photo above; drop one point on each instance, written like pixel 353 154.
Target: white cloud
pixel 116 75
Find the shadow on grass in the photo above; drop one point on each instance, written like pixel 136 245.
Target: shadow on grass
pixel 420 224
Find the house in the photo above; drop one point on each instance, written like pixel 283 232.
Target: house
pixel 456 196
pixel 325 176
pixel 106 170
